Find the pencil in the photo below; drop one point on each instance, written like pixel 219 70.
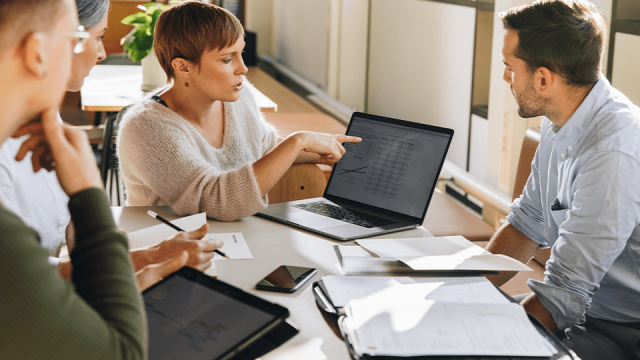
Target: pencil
pixel 166 222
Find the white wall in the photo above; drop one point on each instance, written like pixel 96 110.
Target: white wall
pixel 626 66
pixel 478 148
pixel 301 38
pixel 259 19
pixel 420 65
pixel 352 69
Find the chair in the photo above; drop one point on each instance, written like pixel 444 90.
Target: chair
pixel 108 161
pixel 528 151
pixel 301 181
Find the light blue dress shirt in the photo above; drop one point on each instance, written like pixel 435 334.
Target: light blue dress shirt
pixel 582 199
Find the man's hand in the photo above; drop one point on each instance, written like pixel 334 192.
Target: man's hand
pixel 151 274
pixel 199 250
pixel 59 147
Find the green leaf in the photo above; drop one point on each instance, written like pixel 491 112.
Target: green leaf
pixel 139 42
pixel 137 19
pixel 151 4
pixel 154 17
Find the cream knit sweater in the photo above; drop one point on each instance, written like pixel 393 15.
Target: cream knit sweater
pixel 165 161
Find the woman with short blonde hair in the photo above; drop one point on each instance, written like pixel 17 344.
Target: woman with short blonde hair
pixel 201 144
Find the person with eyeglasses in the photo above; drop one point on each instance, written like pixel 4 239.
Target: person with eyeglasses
pixel 99 314
pixel 40 202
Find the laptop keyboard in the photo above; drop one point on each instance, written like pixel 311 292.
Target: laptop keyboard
pixel 351 216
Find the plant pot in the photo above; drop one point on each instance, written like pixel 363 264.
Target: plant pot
pixel 152 73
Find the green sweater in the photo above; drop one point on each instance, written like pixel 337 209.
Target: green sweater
pixel 99 315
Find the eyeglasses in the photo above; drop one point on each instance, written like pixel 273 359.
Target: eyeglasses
pixel 80 35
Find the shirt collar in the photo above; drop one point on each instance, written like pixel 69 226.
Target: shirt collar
pixel 571 133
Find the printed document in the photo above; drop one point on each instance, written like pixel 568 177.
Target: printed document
pixel 404 321
pixel 441 253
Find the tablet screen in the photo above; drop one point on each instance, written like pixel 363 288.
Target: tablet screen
pixel 188 320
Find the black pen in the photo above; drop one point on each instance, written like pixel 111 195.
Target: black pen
pixel 166 222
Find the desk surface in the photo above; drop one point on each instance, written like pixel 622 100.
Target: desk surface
pixel 273 244
pixel 112 87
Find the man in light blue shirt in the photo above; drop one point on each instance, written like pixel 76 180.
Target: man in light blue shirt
pixel 582 198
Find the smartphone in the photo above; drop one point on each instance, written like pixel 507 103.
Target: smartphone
pixel 286 278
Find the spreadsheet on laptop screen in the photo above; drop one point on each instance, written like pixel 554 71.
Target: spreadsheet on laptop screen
pixel 395 167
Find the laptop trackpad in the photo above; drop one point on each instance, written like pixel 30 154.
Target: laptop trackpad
pixel 311 220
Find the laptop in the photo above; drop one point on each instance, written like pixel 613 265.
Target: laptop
pixel 381 185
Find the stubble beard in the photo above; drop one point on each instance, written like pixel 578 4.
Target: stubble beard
pixel 530 103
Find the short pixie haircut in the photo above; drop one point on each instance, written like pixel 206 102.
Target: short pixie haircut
pixel 565 36
pixel 189 29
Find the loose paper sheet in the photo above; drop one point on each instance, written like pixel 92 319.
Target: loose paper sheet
pixel 156 234
pixel 441 253
pixel 403 321
pixel 235 246
pixel 342 289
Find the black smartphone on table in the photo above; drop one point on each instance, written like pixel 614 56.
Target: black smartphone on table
pixel 286 278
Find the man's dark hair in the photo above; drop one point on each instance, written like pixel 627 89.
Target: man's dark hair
pixel 565 36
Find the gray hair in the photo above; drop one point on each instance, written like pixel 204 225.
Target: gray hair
pixel 91 12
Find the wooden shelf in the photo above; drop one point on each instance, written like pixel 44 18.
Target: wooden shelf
pixel 486 5
pixel 628 27
pixel 480 110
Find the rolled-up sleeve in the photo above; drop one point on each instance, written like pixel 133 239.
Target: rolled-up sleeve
pixel 603 214
pixel 526 212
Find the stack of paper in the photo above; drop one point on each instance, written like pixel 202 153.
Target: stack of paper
pixel 342 289
pixel 432 317
pixel 446 253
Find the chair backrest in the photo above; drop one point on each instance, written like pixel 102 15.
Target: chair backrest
pixel 301 181
pixel 528 151
pixel 108 145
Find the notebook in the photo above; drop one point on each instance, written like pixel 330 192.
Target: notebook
pixel 381 185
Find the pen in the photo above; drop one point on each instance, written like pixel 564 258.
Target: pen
pixel 166 222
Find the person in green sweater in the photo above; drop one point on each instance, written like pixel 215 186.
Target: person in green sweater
pixel 99 314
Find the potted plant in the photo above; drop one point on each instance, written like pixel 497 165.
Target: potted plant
pixel 138 44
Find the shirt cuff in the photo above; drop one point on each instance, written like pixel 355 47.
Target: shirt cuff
pixel 566 307
pixel 521 218
pixel 53 261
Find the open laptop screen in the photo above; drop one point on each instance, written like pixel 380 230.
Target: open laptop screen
pixel 395 167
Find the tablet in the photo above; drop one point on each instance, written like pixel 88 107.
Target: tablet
pixel 194 316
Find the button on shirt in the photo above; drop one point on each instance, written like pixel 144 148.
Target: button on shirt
pixel 582 199
pixel 36 198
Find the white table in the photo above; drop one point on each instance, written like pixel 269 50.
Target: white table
pixel 273 244
pixel 109 88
